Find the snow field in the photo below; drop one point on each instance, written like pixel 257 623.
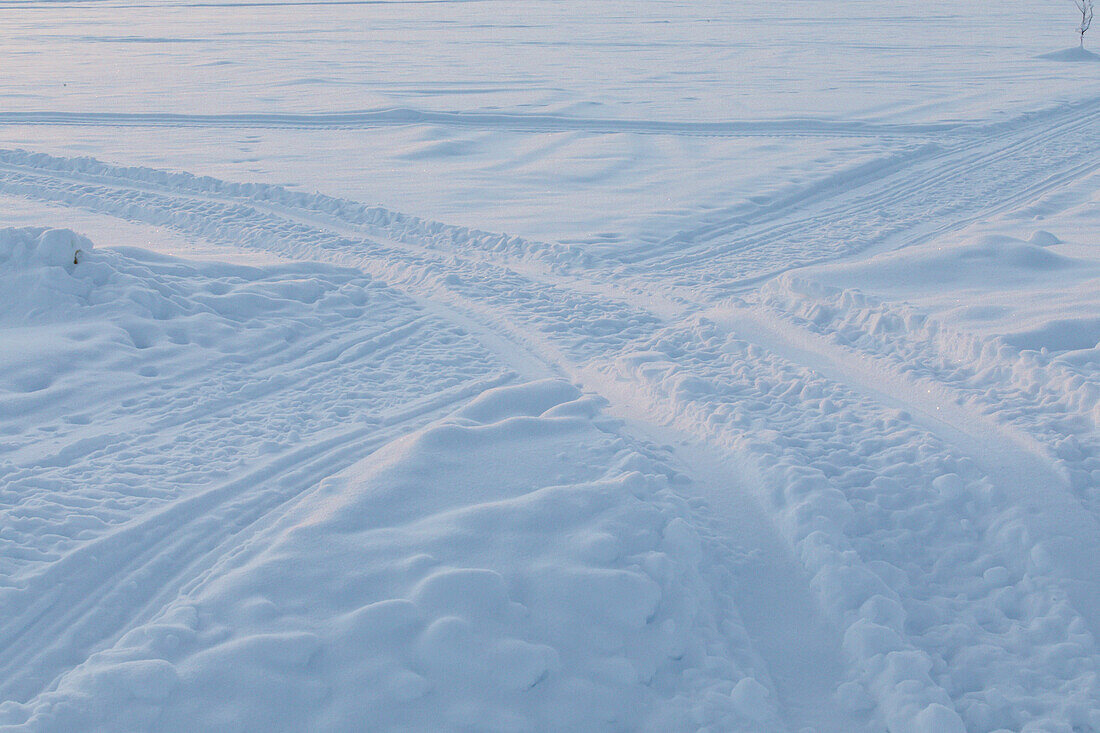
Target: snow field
pixel 874 499
pixel 857 61
pixel 778 414
pixel 554 150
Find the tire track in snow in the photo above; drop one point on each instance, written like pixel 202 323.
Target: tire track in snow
pixel 581 321
pixel 490 323
pixel 783 618
pixel 1017 464
pixel 924 561
pixel 479 298
pixel 285 369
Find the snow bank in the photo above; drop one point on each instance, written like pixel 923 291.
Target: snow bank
pixel 153 408
pixel 376 219
pixel 35 247
pixel 514 567
pixel 1032 386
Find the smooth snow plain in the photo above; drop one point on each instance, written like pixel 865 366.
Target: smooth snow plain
pixel 503 366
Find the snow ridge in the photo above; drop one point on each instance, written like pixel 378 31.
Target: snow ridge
pixel 1047 395
pixel 398 226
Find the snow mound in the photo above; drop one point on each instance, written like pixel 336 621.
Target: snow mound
pixel 514 567
pixel 131 359
pixel 35 246
pixel 1071 54
pixel 1043 238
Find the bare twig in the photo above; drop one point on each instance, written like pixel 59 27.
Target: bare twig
pixel 1085 6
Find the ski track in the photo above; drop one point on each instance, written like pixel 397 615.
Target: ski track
pixel 955 185
pixel 515 122
pixel 837 428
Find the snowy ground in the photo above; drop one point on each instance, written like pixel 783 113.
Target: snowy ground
pixel 775 409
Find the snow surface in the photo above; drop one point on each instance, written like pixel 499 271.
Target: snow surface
pixel 704 366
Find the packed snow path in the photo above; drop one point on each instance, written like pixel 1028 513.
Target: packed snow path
pixel 806 458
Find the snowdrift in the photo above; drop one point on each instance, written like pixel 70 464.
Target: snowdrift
pixel 1075 54
pixel 517 566
pixel 35 247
